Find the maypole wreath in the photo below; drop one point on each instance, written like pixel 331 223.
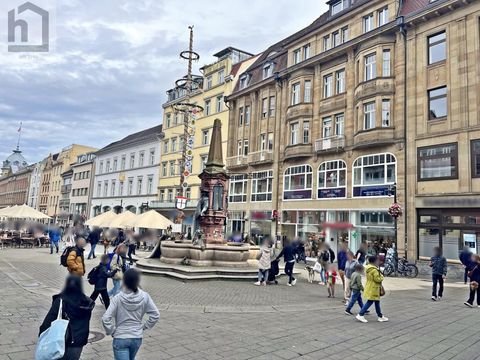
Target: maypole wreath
pixel 395 210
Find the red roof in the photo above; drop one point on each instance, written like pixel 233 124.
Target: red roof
pixel 412 6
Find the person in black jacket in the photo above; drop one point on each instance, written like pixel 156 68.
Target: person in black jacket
pixel 474 275
pixel 93 239
pixel 77 308
pixel 465 259
pixel 101 277
pixel 288 253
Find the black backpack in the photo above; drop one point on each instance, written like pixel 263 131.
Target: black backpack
pixel 325 256
pixel 64 256
pixel 92 276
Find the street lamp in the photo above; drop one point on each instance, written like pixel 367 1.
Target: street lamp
pixel 392 190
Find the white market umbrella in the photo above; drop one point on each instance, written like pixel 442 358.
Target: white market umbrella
pixel 6 210
pixel 102 220
pixel 122 220
pixel 24 212
pixel 150 220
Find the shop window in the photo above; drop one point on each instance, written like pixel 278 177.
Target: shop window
pixel 262 183
pixel 373 175
pixel 332 179
pixel 297 183
pixel 238 189
pixel 438 162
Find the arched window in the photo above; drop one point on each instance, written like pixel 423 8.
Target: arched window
pixel 373 175
pixel 297 183
pixel 332 179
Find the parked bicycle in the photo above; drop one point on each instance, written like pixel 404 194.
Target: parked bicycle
pixel 400 267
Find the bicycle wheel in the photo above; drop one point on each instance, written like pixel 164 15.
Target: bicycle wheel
pixel 411 271
pixel 389 270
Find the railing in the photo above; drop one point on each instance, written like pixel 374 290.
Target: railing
pixel 237 160
pixel 332 142
pixel 260 156
pixel 65 189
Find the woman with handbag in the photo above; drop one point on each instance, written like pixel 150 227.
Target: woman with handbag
pixel 77 309
pixel 474 276
pixel 373 290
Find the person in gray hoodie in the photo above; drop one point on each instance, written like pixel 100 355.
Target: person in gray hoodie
pixel 124 317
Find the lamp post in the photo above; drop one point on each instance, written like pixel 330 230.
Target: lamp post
pixel 393 191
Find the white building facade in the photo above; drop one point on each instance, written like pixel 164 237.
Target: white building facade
pixel 127 173
pixel 35 183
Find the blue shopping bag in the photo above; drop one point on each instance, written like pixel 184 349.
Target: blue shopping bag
pixel 51 343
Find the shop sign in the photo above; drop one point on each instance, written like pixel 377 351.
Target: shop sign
pixel 371 190
pixel 331 193
pixel 297 195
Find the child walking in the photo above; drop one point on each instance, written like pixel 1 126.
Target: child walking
pixel 331 276
pixel 438 263
pixel 99 277
pixel 264 263
pixel 356 288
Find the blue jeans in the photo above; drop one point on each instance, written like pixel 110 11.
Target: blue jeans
pixel 92 250
pixel 52 246
pixel 117 284
pixel 126 349
pixel 367 306
pixel 356 297
pixel 322 275
pixel 263 275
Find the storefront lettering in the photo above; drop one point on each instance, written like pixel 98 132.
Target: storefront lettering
pixel 331 193
pixel 297 195
pixel 449 202
pixel 371 191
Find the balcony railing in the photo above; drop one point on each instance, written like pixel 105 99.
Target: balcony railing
pixel 259 156
pixel 237 161
pixel 332 142
pixel 65 189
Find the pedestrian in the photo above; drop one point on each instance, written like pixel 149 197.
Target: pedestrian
pixel 349 269
pixel 55 237
pixel 75 259
pixel 356 288
pixel 331 275
pixel 77 309
pixel 288 253
pixel 264 262
pixel 342 262
pixel 361 254
pixel 373 290
pixel 124 318
pixel 438 263
pixel 93 239
pixel 130 242
pixel 98 276
pixel 68 239
pixel 474 275
pixel 466 260
pixel 325 257
pixel 119 265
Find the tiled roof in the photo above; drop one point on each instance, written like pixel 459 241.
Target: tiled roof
pixel 410 7
pixel 141 135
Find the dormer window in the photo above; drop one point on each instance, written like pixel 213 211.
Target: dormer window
pixel 338 6
pixel 244 81
pixel 267 70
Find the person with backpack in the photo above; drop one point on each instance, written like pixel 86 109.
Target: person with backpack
pixel 118 263
pixel 93 239
pixel 124 318
pixel 98 277
pixel 72 258
pixel 77 309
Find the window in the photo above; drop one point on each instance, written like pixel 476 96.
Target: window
pixel 382 16
pixel 263 142
pixel 240 116
pixel 239 147
pixel 168 120
pixel 295 94
pixel 205 137
pixel 306 51
pixel 373 175
pixel 307 95
pixel 438 162
pixel 170 195
pixel 270 141
pixel 207 107
pixel 243 81
pixel 219 103
pixel 247 115
pixel 369 116
pixel 100 168
pixel 221 76
pixel 112 190
pixel 132 161
pixel 209 82
pixel 99 189
pixel 297 56
pixel 332 177
pixel 340 81
pixel 245 147
pixel 139 185
pixel 162 195
pixel 130 186
pixel 385 113
pixel 150 184
pixel 339 124
pixel 152 156
pixel 338 6
pixel 327 127
pixel 368 23
pixel 262 183
pixel 271 111
pixel 238 188
pixel 345 34
pixel 370 67
pixel 437 103
pixel 174 145
pixel 120 190
pixel 165 147
pixel 176 121
pixel 141 158
pixel 267 70
pixel 294 134
pixel 172 168
pixel 437 47
pixel 327 86
pixel 306 132
pixel 326 43
pixel 203 160
pixel 107 166
pixel 475 145
pixel 164 168
pixel 115 164
pixel 105 188
pixel 386 63
pixel 264 108
pixel 297 183
pixel 336 38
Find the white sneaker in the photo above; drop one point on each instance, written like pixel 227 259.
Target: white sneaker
pixel 258 283
pixel 466 303
pixel 294 281
pixel 361 318
pixel 383 319
pixel 434 298
pixel 289 284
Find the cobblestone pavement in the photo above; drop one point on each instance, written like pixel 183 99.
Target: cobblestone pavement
pixel 236 320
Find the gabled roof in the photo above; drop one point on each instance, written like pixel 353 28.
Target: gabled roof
pixel 144 135
pixel 230 49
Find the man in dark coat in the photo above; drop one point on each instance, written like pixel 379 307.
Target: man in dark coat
pixel 466 260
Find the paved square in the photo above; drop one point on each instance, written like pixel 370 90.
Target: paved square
pixel 236 320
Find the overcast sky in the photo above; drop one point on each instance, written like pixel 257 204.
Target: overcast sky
pixel 113 60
